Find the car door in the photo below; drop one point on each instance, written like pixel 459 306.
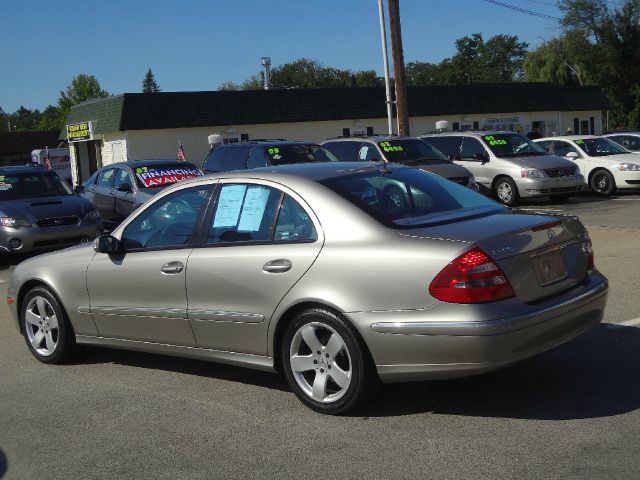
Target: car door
pixel 261 240
pixel 563 147
pixel 475 158
pixel 139 294
pixel 103 194
pixel 124 199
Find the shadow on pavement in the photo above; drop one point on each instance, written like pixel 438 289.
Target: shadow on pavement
pixel 10 259
pixel 3 463
pixel 595 375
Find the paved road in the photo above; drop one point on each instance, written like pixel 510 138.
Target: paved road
pixel 572 413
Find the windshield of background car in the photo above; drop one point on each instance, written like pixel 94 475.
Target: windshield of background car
pixel 31 185
pixel 163 174
pixel 410 198
pixel 411 151
pixel 599 147
pixel 505 145
pixel 286 154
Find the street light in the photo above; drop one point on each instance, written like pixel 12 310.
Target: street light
pixel 385 59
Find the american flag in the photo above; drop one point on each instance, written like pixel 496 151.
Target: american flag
pixel 180 152
pixel 47 159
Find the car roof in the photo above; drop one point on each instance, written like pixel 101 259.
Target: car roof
pixel 470 133
pixel 22 169
pixel 622 132
pixel 372 138
pixel 266 142
pixel 566 137
pixel 138 163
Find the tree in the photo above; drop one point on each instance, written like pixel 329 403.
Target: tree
pixel 149 84
pixel 83 87
pixel 50 119
pixel 501 59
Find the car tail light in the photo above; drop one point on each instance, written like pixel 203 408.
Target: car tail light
pixel 473 277
pixel 587 247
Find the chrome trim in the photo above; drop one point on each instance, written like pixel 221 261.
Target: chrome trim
pixel 141 311
pixel 485 327
pixel 84 310
pixel 249 360
pixel 223 316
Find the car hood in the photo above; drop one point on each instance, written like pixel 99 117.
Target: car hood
pixel 46 207
pixel 540 161
pixel 616 159
pixel 446 170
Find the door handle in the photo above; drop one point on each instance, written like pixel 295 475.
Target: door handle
pixel 277 266
pixel 172 267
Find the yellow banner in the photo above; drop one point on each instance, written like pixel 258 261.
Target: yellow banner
pixel 77 132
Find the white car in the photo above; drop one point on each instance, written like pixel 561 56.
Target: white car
pixel 605 165
pixel 629 140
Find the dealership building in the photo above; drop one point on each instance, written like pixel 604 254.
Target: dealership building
pixel 141 126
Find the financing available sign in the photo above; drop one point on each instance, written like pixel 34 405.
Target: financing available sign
pixel 80 132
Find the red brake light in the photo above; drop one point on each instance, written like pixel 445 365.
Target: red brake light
pixel 473 277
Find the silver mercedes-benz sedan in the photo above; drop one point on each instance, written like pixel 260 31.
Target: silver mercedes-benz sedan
pixel 336 275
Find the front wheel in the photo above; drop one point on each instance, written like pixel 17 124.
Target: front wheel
pixel 46 329
pixel 602 183
pixel 506 191
pixel 324 362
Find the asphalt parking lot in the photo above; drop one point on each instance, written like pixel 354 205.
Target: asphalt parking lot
pixel 572 413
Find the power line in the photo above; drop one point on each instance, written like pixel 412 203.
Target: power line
pixel 525 11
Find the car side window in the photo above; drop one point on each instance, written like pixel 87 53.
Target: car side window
pixel 546 144
pixel 471 149
pixel 293 222
pixel 170 222
pixel 105 178
pixel 368 153
pixel 257 158
pixel 345 151
pixel 123 177
pixel 562 148
pixel 449 145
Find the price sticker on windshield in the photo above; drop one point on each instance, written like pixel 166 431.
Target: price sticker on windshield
pixel 579 142
pixel 388 147
pixel 491 140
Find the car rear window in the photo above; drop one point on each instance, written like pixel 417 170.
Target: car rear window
pixel 346 151
pixel 411 151
pixel 410 198
pixel 14 186
pixel 287 154
pixel 162 174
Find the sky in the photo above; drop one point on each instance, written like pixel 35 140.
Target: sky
pixel 194 45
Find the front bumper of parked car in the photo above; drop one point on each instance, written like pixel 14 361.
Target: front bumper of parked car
pixel 452 340
pixel 28 239
pixel 535 187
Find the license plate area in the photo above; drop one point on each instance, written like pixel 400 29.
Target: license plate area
pixel 549 266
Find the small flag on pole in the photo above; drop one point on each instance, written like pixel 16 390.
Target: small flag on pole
pixel 180 152
pixel 47 159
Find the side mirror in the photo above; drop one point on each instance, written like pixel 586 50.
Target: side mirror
pixel 78 189
pixel 483 157
pixel 106 244
pixel 572 155
pixel 124 187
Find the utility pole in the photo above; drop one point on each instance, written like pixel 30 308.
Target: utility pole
pixel 385 60
pixel 398 68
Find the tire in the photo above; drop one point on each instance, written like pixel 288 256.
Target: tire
pixel 602 183
pixel 45 326
pixel 506 191
pixel 325 363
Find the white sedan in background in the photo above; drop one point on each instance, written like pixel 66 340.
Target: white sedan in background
pixel 629 140
pixel 605 165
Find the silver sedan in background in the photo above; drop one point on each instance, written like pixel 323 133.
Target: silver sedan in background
pixel 338 275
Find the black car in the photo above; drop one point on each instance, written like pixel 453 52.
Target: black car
pixel 39 211
pixel 118 189
pixel 263 153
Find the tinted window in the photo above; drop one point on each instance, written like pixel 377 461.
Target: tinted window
pixel 344 151
pixel 293 222
pixel 627 141
pixel 448 145
pixel 31 185
pixel 562 148
pixel 297 153
pixel 244 213
pixel 169 222
pixel 257 158
pixel 472 149
pixel 599 147
pixel 224 159
pixel 409 198
pixel 123 177
pixel 546 144
pixel 105 178
pixel 163 174
pixel 411 151
pixel 368 152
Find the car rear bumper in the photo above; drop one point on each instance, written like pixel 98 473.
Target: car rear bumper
pixel 417 345
pixel 23 240
pixel 536 187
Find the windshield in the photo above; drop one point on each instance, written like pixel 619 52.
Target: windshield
pixel 286 154
pixel 32 185
pixel 599 147
pixel 161 175
pixel 511 144
pixel 410 151
pixel 410 198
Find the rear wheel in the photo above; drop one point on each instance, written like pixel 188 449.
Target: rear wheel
pixel 506 191
pixel 324 362
pixel 46 329
pixel 602 183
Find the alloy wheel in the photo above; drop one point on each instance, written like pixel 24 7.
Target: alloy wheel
pixel 41 326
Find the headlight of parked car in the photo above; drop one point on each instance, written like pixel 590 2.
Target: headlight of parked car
pixel 628 167
pixel 91 216
pixel 531 173
pixel 14 222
